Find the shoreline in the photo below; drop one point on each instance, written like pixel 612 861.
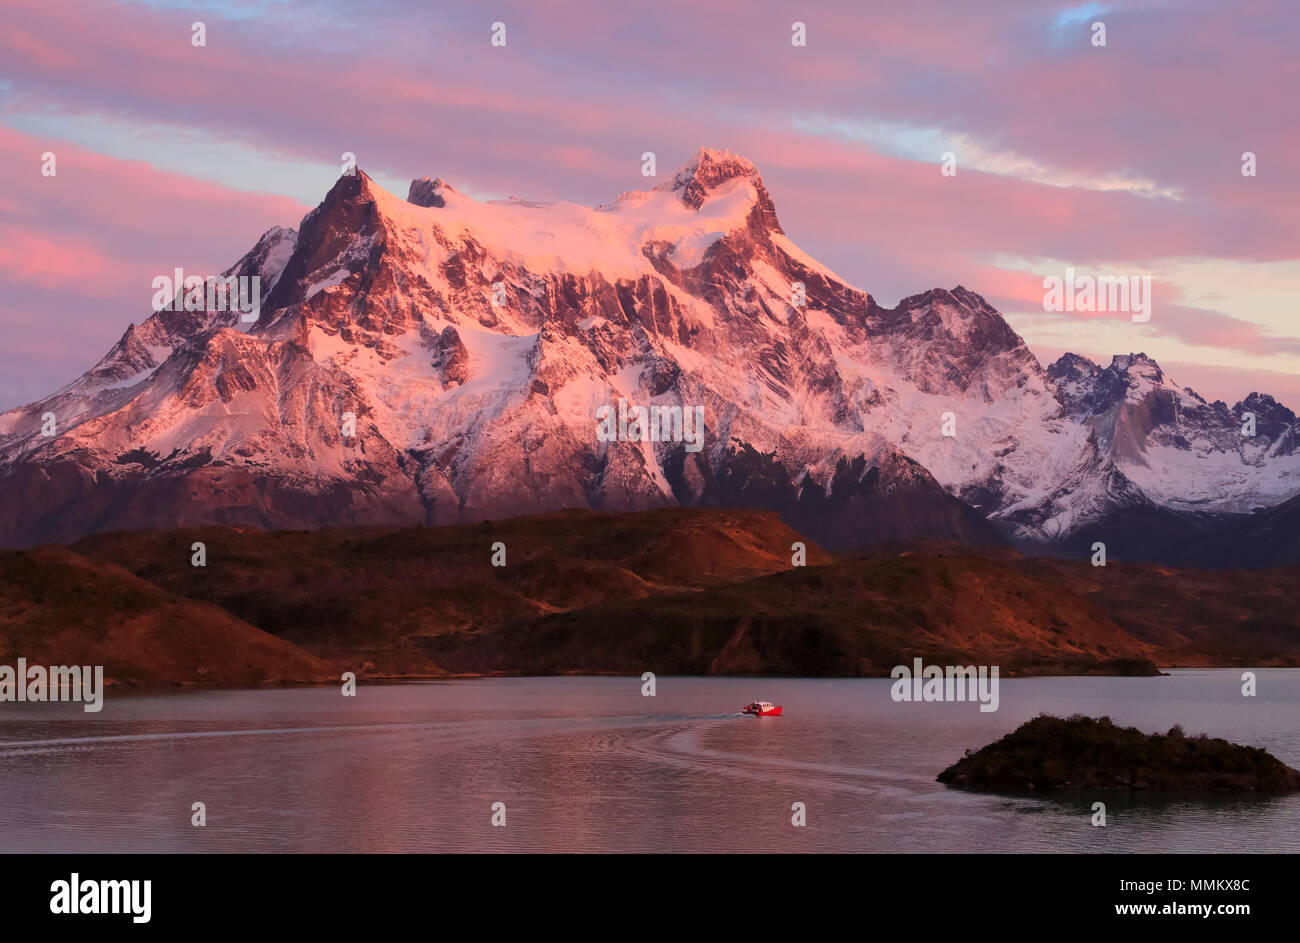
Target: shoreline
pixel 388 679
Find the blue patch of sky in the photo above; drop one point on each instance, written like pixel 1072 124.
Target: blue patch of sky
pixel 893 139
pixel 1068 20
pixel 226 9
pixel 197 153
pixel 190 152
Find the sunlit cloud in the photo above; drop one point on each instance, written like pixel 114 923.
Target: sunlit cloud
pixel 931 143
pixel 1135 165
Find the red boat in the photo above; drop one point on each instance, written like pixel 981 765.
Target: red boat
pixel 762 709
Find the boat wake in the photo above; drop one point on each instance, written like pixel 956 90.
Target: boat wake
pixel 662 741
pixel 676 744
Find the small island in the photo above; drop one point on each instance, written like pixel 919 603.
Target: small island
pixel 1089 753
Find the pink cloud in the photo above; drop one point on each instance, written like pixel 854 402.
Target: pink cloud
pixel 79 251
pixel 1175 97
pixel 31 257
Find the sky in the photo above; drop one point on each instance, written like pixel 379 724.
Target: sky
pixel 1123 159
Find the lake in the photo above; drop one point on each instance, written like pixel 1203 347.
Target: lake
pixel 589 764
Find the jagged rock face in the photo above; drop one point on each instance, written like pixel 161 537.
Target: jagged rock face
pixel 1076 384
pixel 425 192
pixel 1178 450
pixel 441 359
pixel 451 357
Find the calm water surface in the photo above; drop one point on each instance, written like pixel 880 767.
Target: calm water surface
pixel 588 764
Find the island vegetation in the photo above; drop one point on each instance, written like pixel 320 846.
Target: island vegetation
pixel 1090 753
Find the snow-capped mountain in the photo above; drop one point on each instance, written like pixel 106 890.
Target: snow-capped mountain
pixel 1182 452
pixel 476 343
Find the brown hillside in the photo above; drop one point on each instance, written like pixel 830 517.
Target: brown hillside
pixel 1196 617
pixel 851 618
pixel 704 591
pixel 375 596
pixel 59 608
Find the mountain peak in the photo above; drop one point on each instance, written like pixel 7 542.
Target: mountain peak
pixel 1069 359
pixel 708 169
pixel 426 192
pixel 1265 405
pixel 961 296
pixel 1074 366
pixel 716 162
pixel 1136 362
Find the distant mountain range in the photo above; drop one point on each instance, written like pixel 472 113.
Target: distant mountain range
pixel 475 344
